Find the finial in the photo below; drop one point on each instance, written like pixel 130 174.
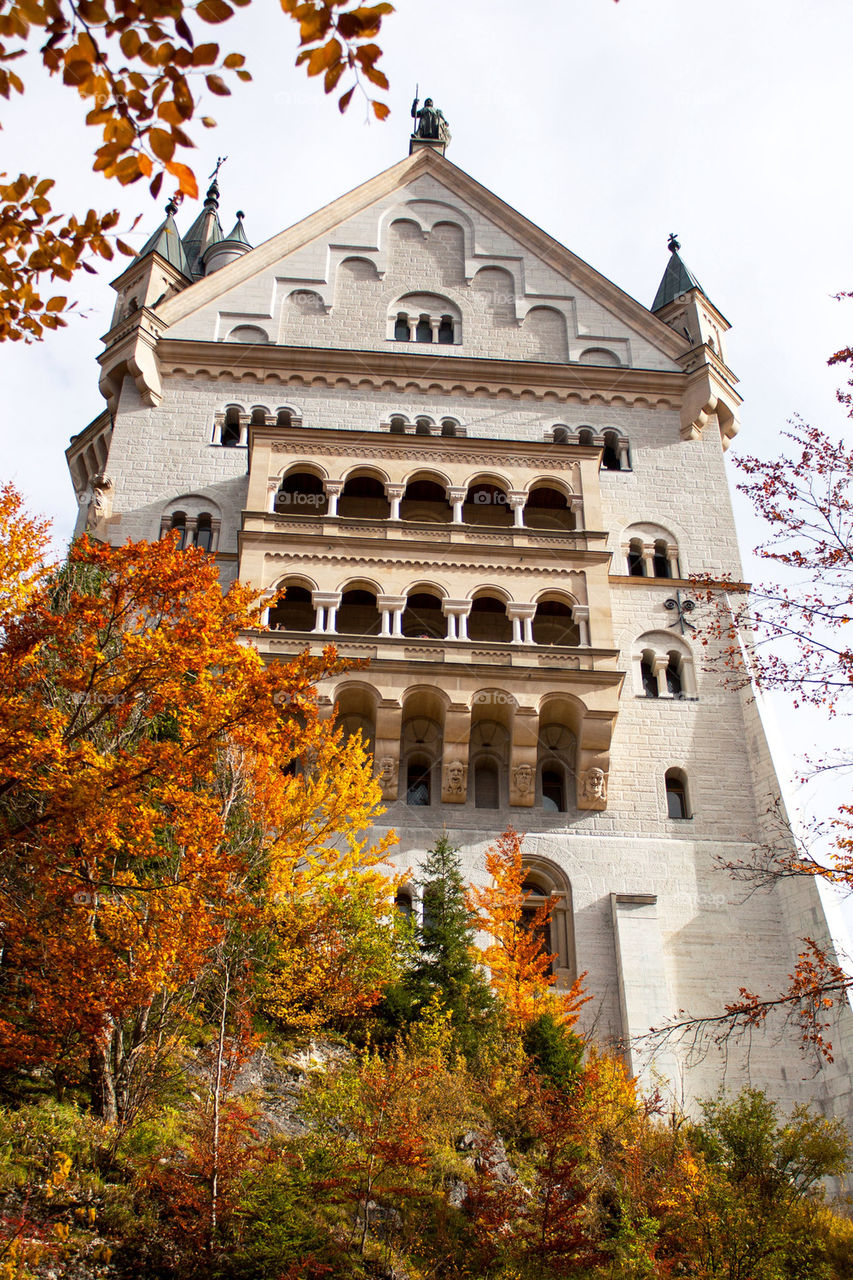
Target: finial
pixel 172 207
pixel 240 214
pixel 220 160
pixel 672 243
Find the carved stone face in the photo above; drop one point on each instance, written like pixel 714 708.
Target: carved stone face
pixel 455 776
pixel 594 785
pixel 523 778
pixel 386 770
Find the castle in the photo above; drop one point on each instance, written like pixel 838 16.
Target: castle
pixel 443 441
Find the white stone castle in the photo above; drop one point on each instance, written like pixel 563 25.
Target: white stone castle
pixel 446 443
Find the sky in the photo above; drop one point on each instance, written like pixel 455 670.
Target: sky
pixel 607 124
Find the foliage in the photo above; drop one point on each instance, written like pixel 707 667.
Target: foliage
pixel 519 967
pixel 556 1052
pixel 147 810
pixel 133 66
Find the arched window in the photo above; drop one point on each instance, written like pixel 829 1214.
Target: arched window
pixel 179 522
pixel 488 621
pixel 423 333
pixel 445 329
pixel 401 327
pixel 364 497
pixel 661 563
pixel 423 427
pixel 647 674
pixel 259 416
pixel 230 437
pixel 397 426
pixel 636 563
pixel 548 508
pixel 449 427
pixel 557 756
pixel 545 884
pixel 204 532
pixel 561 435
pixel 302 494
pixel 533 904
pixel 426 501
pixel 553 623
pixel 403 903
pixel 674 682
pixel 284 418
pixel 676 794
pixel 421 748
pixel 586 436
pixel 486 785
pixel 610 459
pixel 422 617
pixel 358 614
pixel 293 611
pixel 487 503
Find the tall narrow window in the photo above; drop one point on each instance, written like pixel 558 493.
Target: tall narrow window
pixel 673 676
pixel 423 333
pixel 676 795
pixel 401 328
pixel 204 532
pixel 445 329
pixel 661 563
pixel 231 428
pixel 636 565
pixel 553 791
pixel 403 903
pixel 179 522
pixel 417 785
pixel 650 681
pixel 610 459
pixel 486 794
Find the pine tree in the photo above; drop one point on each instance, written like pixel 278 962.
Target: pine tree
pixel 447 970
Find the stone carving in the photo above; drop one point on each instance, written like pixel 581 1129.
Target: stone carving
pixel 594 788
pixel 100 502
pixel 454 778
pixel 522 779
pixel 388 776
pixel 430 122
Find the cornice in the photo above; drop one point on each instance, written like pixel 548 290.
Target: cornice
pixel 402 372
pixel 429 564
pixel 336 442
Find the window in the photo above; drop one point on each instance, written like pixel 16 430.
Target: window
pixel 486 789
pixel 553 791
pixel 418 785
pixel 401 327
pixel 445 330
pixel 230 436
pixel 649 679
pixel 204 532
pixel 610 459
pixel 561 435
pixel 397 426
pixel 660 561
pixel 423 427
pixel 586 436
pixel 676 794
pixel 448 426
pixel 284 418
pixel 673 676
pixel 293 611
pixel 403 903
pixel 179 521
pixel 636 563
pixel 423 333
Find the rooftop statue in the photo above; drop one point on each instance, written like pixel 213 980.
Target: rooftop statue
pixel 430 122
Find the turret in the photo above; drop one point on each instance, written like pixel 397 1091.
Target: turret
pixel 229 249
pixel 682 303
pixel 204 232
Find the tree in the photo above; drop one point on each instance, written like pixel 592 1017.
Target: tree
pixel 793 636
pixel 149 800
pixel 447 970
pixel 519 967
pixel 132 64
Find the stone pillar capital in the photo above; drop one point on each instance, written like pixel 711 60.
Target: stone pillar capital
pixel 456 606
pixel 517 610
pixel 332 487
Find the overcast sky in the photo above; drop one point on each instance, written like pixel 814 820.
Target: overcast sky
pixel 608 124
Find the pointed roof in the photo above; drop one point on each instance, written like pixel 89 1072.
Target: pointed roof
pixel 166 241
pixel 677 278
pixel 237 233
pixel 205 231
pixel 404 172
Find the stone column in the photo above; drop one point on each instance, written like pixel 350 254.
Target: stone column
pixel 326 603
pixel 413 329
pixel 456 498
pixel 391 609
pixel 624 456
pixel 456 612
pixel 434 324
pixel 521 617
pixel 244 434
pixel 649 560
pixel 516 500
pixel 394 494
pixel 576 505
pixel 659 666
pixel 272 490
pixel 672 561
pixel 332 490
pixel 580 614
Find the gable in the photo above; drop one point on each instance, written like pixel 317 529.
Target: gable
pixel 424 246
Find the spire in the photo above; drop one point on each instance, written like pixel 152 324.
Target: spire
pixel 228 249
pixel 237 234
pixel 677 279
pixel 206 230
pixel 166 241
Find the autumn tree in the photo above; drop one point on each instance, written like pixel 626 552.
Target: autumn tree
pixel 134 66
pixel 150 799
pixel 520 968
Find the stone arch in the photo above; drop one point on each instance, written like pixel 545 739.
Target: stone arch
pixel 545 335
pixel 495 287
pixel 599 355
pixel 545 882
pixel 306 302
pixel 663 666
pixel 249 335
pixel 445 247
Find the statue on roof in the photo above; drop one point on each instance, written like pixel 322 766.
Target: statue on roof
pixel 431 123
